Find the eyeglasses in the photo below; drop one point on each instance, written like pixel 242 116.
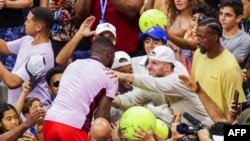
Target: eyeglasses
pixel 56 83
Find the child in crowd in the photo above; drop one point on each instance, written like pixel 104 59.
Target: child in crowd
pixel 11 126
pixel 28 105
pixel 31 104
pixel 53 78
pixel 9 120
pixel 122 63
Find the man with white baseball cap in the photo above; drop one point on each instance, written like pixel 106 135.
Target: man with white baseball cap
pixel 153 37
pixel 163 80
pixel 68 54
pixel 105 27
pixel 164 54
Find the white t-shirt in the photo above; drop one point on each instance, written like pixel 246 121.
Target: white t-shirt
pixel 24 49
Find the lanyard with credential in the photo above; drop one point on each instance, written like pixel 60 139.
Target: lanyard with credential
pixel 103 9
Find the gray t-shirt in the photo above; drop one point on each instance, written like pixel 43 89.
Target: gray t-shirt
pixel 239 45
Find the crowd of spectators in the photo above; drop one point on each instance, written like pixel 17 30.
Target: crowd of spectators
pixel 72 67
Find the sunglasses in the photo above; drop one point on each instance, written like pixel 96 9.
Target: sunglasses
pixel 56 83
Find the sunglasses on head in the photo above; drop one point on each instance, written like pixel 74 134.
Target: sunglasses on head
pixel 201 17
pixel 56 83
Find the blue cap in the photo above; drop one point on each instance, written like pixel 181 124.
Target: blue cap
pixel 156 33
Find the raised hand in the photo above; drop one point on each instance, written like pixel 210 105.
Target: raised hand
pixel 141 134
pixel 85 28
pixel 116 131
pixel 26 88
pixel 189 83
pixel 175 135
pixel 36 116
pixel 232 115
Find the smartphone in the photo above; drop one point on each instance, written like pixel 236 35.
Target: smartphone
pixel 236 97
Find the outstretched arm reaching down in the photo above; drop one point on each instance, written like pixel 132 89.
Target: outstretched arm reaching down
pixel 212 108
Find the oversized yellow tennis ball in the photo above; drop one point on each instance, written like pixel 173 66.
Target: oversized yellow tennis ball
pixel 161 129
pixel 152 17
pixel 133 117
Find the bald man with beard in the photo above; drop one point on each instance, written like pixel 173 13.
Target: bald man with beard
pixel 100 130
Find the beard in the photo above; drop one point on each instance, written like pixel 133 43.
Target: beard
pixel 202 50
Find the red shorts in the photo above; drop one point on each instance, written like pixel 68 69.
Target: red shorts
pixel 54 131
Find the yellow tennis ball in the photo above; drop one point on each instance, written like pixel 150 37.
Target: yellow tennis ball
pixel 152 17
pixel 161 129
pixel 133 117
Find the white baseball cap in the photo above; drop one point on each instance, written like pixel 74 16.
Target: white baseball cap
pixel 164 54
pixel 119 56
pixel 34 66
pixel 105 27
